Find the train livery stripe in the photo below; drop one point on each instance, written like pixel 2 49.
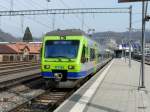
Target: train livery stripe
pixel 47 74
pixel 70 75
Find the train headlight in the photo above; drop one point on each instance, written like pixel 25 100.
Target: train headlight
pixel 47 66
pixel 71 67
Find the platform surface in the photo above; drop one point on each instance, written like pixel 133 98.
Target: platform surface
pixel 113 89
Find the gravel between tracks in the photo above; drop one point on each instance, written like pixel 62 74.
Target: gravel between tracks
pixel 16 96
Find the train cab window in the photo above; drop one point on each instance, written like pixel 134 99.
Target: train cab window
pixel 83 57
pixel 61 49
pixel 92 54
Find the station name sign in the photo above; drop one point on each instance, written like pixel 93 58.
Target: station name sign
pixel 121 1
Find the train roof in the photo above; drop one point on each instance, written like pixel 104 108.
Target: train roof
pixel 71 32
pixel 68 32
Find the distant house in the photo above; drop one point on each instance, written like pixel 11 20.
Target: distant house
pixel 20 51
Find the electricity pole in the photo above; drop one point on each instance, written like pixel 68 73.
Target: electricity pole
pixel 130 30
pixel 144 19
pixel 143 46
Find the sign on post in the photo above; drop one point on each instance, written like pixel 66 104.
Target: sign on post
pixel 121 1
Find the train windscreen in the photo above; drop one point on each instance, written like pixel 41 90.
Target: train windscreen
pixel 61 48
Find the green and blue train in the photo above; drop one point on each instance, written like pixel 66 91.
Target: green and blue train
pixel 68 56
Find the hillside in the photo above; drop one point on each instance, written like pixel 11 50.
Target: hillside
pixel 6 37
pixel 119 36
pixel 101 37
pixel 112 39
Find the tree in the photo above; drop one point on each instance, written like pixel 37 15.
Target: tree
pixel 27 36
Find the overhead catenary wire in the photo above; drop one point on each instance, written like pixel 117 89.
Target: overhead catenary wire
pixel 22 18
pixel 11 5
pixel 36 21
pixel 22 23
pixel 7 8
pixel 15 26
pixel 47 19
pixel 146 8
pixel 53 21
pixel 82 19
pixel 82 22
pixel 39 22
pixel 38 5
pixel 83 3
pixel 3 7
pixel 65 11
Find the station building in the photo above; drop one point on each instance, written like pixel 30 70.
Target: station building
pixel 20 51
pixel 122 51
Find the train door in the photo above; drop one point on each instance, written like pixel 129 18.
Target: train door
pixel 83 56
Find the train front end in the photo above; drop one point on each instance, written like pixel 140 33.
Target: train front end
pixel 61 59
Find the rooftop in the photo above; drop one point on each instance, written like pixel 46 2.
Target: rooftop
pixel 13 48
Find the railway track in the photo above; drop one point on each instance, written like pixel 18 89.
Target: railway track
pixel 7 83
pixel 146 62
pixel 20 93
pixel 16 70
pixel 17 66
pixel 46 102
pixel 138 58
pixel 50 99
pixel 13 75
pixel 16 63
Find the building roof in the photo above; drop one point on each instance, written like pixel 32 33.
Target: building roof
pixel 18 47
pixel 68 32
pixel 34 47
pixel 15 48
pixel 4 49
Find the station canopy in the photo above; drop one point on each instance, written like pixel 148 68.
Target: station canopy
pixel 121 1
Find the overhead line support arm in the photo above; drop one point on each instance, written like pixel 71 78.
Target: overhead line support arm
pixel 64 11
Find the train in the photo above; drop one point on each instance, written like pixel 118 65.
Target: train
pixel 69 56
pixel 138 56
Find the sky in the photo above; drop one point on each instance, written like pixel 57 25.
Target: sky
pixel 40 24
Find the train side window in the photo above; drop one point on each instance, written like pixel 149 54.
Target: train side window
pixel 83 58
pixel 92 54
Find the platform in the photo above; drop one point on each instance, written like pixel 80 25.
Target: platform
pixel 113 89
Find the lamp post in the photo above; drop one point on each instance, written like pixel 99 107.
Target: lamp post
pixel 143 46
pixel 130 31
